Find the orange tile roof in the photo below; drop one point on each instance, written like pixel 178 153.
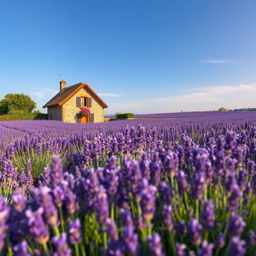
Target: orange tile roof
pixel 63 96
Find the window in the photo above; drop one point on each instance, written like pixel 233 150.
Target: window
pixel 84 101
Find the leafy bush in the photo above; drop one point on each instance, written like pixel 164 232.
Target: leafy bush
pixel 23 116
pixel 223 109
pixel 16 102
pixel 124 115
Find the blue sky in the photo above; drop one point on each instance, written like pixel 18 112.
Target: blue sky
pixel 141 56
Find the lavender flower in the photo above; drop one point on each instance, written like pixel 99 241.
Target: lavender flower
pixel 208 215
pixel 168 218
pixel 154 245
pixel 111 229
pixel 236 225
pixel 70 202
pixel 198 184
pixel 236 247
pixel 50 212
pixel 165 192
pixel 251 238
pixel 4 215
pixel 130 240
pixel 234 199
pixel 181 228
pixel 126 218
pixel 220 241
pixel 181 249
pixel 56 172
pixel 102 209
pixel 74 231
pixel 19 201
pixel 206 249
pixel 181 178
pixel 147 202
pixel 195 232
pixel 21 249
pixel 37 227
pixel 61 246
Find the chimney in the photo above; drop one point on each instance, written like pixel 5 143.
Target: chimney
pixel 62 85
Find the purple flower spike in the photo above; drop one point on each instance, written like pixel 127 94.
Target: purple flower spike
pixel 165 192
pixel 126 218
pixel 198 184
pixel 58 196
pixel 181 228
pixel 50 212
pixel 61 247
pixel 206 249
pixel 195 232
pixel 111 229
pixel 234 199
pixel 37 227
pixel 4 215
pixel 56 172
pixel 115 248
pixel 102 209
pixel 251 238
pixel 237 247
pixel 236 225
pixel 147 202
pixel 208 215
pixel 155 246
pixel 75 232
pixel 21 249
pixel 220 241
pixel 168 220
pixel 19 201
pixel 130 241
pixel 181 178
pixel 70 202
pixel 181 249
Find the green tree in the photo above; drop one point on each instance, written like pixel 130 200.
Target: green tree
pixel 16 102
pixel 223 109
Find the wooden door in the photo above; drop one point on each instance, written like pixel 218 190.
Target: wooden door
pixel 84 119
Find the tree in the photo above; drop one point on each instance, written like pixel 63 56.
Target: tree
pixel 14 102
pixel 223 109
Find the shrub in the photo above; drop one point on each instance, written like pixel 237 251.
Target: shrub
pixel 124 116
pixel 16 102
pixel 23 116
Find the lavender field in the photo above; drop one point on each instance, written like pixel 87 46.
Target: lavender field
pixel 184 185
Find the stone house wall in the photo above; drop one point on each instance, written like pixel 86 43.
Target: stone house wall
pixel 54 113
pixel 70 109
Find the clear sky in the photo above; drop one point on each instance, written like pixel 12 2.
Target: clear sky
pixel 141 56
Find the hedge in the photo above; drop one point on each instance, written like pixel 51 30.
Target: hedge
pixel 124 115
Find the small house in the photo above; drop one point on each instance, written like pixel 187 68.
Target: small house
pixel 76 104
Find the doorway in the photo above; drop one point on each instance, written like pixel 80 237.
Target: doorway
pixel 84 119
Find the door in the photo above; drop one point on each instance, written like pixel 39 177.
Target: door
pixel 84 119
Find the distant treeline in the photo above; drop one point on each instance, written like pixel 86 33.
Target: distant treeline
pixel 244 109
pixel 236 109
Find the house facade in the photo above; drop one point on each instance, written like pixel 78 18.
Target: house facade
pixel 76 104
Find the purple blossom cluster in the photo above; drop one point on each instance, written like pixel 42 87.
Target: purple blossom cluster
pixel 140 187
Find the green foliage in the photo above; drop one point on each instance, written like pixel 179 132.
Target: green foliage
pixel 16 102
pixel 124 115
pixel 223 109
pixel 24 116
pixel 244 109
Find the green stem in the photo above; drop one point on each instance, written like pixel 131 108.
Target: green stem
pixel 9 251
pixel 45 247
pixel 76 250
pixel 105 240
